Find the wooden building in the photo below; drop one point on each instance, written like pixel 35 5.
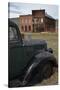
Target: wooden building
pixel 42 22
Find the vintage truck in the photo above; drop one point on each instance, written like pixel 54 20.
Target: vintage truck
pixel 28 60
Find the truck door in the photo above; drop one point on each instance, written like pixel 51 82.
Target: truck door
pixel 15 53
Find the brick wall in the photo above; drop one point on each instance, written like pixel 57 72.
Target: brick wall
pixel 25 23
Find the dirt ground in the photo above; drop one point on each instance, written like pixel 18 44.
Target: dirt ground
pixel 53 80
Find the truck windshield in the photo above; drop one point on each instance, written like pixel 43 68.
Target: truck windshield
pixel 12 34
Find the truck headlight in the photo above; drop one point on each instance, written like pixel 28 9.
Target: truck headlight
pixel 50 50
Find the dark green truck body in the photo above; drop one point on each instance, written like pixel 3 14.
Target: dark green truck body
pixel 20 55
pixel 21 52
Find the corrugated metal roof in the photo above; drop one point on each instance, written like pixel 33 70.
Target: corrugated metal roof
pixel 49 16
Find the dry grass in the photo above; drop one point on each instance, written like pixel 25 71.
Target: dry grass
pixel 51 39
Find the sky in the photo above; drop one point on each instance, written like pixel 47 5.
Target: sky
pixel 16 9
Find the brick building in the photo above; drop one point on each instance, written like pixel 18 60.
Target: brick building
pixel 26 23
pixel 39 21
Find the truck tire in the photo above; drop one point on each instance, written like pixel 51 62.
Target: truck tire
pixel 44 71
pixel 47 70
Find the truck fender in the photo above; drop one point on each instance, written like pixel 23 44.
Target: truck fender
pixel 46 56
pixel 38 59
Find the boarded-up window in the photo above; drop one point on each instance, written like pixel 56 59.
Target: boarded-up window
pixel 41 20
pixel 22 28
pixel 22 20
pixel 26 21
pixel 29 28
pixel 25 28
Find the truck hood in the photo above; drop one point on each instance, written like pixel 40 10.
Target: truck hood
pixel 37 43
pixel 34 42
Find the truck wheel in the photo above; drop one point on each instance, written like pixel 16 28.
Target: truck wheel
pixel 43 71
pixel 47 70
